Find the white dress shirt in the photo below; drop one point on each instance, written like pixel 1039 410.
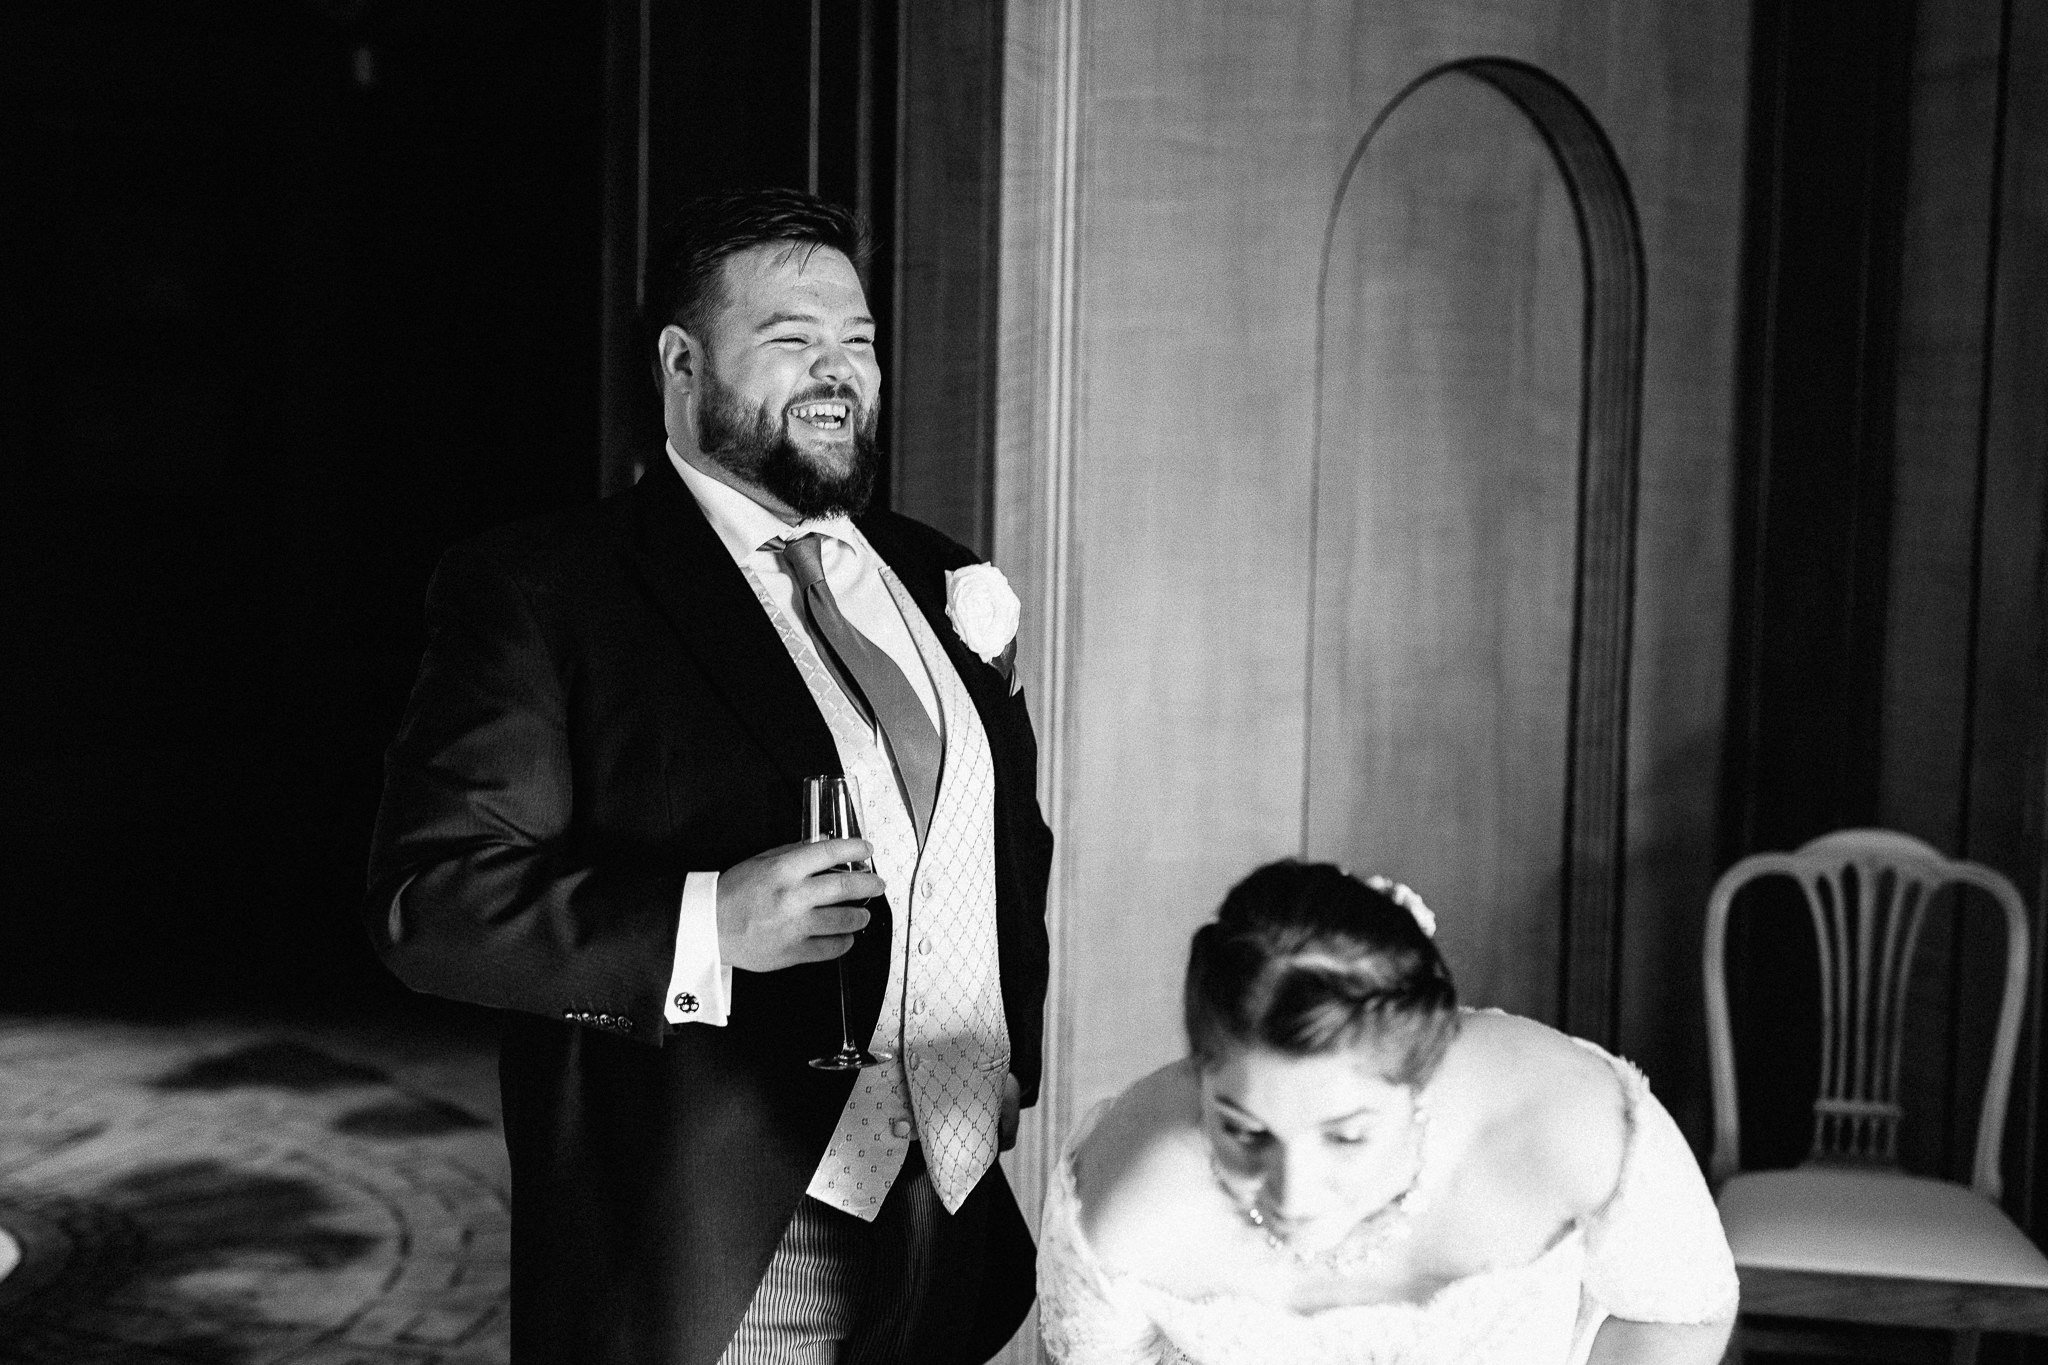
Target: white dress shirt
pixel 699 975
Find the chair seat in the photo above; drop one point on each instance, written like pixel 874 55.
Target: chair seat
pixel 1883 1223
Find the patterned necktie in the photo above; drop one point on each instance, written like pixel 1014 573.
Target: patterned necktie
pixel 871 679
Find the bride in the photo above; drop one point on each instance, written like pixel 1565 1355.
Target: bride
pixel 1349 1168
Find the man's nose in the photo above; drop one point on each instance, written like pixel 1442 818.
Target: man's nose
pixel 833 365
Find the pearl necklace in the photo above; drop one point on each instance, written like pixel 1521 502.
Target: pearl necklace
pixel 1368 1238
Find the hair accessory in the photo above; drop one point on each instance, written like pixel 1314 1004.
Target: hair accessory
pixel 1403 895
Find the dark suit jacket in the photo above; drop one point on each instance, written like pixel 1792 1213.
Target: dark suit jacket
pixel 603 706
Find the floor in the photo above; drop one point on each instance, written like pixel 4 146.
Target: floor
pixel 245 1193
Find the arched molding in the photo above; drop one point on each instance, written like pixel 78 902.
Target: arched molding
pixel 1611 252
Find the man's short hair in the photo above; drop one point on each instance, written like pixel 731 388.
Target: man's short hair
pixel 685 265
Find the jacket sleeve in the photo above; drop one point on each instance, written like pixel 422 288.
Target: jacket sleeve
pixel 480 889
pixel 1027 949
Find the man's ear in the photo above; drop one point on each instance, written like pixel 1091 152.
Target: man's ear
pixel 676 357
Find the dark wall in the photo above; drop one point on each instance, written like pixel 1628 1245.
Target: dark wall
pixel 1826 188
pixel 296 294
pixel 891 107
pixel 800 94
pixel 1814 431
pixel 942 426
pixel 1890 655
pixel 1965 731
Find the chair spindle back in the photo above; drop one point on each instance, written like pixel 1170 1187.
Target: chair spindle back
pixel 1868 893
pixel 1867 921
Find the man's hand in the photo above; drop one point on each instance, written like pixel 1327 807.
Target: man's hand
pixel 794 904
pixel 1006 1121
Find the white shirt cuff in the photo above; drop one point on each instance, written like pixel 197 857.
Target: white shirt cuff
pixel 699 985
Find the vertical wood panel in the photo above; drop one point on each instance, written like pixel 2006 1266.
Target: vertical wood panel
pixel 1963 720
pixel 623 402
pixel 1043 62
pixel 1966 686
pixel 1944 304
pixel 1579 925
pixel 1164 518
pixel 1815 418
pixel 1044 80
pixel 943 427
pixel 1945 268
pixel 1447 498
pixel 2009 677
pixel 1168 172
pixel 703 98
pixel 1208 169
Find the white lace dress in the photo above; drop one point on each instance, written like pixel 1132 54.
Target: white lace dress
pixel 1653 1253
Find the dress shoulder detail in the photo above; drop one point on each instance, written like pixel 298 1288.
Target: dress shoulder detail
pixel 1655 1251
pixel 1082 1315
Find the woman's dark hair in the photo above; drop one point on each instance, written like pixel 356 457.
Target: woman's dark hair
pixel 1306 959
pixel 685 264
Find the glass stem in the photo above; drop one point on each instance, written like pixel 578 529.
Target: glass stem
pixel 845 1029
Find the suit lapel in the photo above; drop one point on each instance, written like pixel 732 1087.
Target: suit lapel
pixel 706 597
pixel 926 584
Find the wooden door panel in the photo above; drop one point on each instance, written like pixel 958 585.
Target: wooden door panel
pixel 1226 646
pixel 1446 492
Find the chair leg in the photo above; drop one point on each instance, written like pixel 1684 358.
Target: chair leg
pixel 1963 1349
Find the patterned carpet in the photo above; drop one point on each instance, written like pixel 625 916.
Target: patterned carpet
pixel 249 1195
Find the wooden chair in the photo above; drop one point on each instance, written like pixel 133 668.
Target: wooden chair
pixel 1847 1236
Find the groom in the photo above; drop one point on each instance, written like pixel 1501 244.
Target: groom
pixel 588 820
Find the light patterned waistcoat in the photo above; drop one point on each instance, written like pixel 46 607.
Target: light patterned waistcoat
pixel 942 1010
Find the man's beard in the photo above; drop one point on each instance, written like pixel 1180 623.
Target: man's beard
pixel 755 444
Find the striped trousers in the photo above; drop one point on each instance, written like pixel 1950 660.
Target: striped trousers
pixel 917 1284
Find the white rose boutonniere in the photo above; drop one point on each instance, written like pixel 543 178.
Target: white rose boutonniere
pixel 984 612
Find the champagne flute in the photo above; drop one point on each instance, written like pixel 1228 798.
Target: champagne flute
pixel 828 813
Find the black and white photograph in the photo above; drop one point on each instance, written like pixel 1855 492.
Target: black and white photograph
pixel 1024 682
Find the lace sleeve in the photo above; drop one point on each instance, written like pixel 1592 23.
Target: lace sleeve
pixel 1080 1316
pixel 1655 1251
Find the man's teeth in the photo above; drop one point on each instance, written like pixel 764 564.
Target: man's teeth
pixel 820 414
